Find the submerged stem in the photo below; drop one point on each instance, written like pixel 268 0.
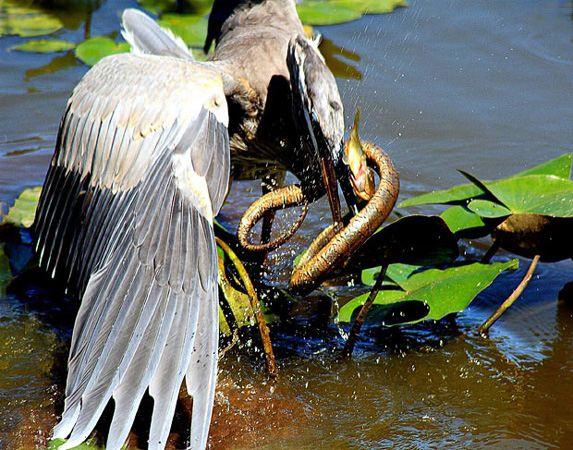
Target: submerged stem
pixel 490 252
pixel 512 298
pixel 255 305
pixel 361 317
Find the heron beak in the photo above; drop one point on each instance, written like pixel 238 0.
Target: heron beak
pixel 361 177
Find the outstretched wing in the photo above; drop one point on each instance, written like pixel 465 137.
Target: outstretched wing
pixel 140 169
pixel 146 37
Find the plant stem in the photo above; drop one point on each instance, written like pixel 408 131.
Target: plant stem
pixel 255 305
pixel 483 329
pixel 490 252
pixel 361 317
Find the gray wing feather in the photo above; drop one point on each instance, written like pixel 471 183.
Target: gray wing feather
pixel 133 233
pixel 202 372
pixel 146 37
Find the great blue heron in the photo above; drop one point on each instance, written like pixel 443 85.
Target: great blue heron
pixel 141 167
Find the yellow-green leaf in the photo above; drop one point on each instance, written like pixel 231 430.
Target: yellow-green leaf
pixel 92 50
pixel 44 46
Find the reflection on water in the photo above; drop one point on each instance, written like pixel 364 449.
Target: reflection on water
pixel 446 84
pixel 335 57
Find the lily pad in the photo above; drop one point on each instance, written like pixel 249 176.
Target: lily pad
pixel 465 223
pixel 24 209
pixel 396 274
pixel 325 12
pixel 92 50
pixel 44 46
pixel 189 27
pixel 488 209
pixel 89 445
pixel 371 6
pixel 419 240
pixel 428 294
pixel 157 6
pixel 546 195
pixel 558 167
pixel 26 20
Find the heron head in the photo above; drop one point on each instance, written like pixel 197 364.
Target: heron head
pixel 361 176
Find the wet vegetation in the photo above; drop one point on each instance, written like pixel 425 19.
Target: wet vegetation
pixel 414 269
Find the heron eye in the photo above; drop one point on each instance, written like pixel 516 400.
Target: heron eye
pixel 335 105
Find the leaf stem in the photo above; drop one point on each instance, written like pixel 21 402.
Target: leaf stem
pixel 361 317
pixel 255 305
pixel 483 329
pixel 490 252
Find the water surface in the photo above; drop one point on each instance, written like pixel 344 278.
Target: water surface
pixel 483 86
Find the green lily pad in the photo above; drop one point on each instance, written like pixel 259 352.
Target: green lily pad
pixel 92 50
pixel 488 209
pixel 465 223
pixel 419 240
pixel 157 6
pixel 44 46
pixel 371 6
pixel 24 209
pixel 189 27
pixel 325 12
pixel 89 445
pixel 26 20
pixel 546 195
pixel 428 294
pixel 558 167
pixel 396 274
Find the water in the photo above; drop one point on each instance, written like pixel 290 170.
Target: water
pixel 483 86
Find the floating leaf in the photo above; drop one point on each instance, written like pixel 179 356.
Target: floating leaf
pixel 44 46
pixel 396 274
pixel 92 50
pixel 429 294
pixel 465 223
pixel 157 6
pixel 325 12
pixel 89 445
pixel 419 240
pixel 488 209
pixel 189 27
pixel 535 194
pixel 371 6
pixel 559 167
pixel 24 209
pixel 26 20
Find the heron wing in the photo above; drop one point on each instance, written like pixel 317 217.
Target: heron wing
pixel 140 169
pixel 146 37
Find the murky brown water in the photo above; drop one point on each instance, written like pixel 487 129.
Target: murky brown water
pixel 484 86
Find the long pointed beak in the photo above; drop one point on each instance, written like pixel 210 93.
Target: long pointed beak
pixel 324 154
pixel 331 185
pixel 343 174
